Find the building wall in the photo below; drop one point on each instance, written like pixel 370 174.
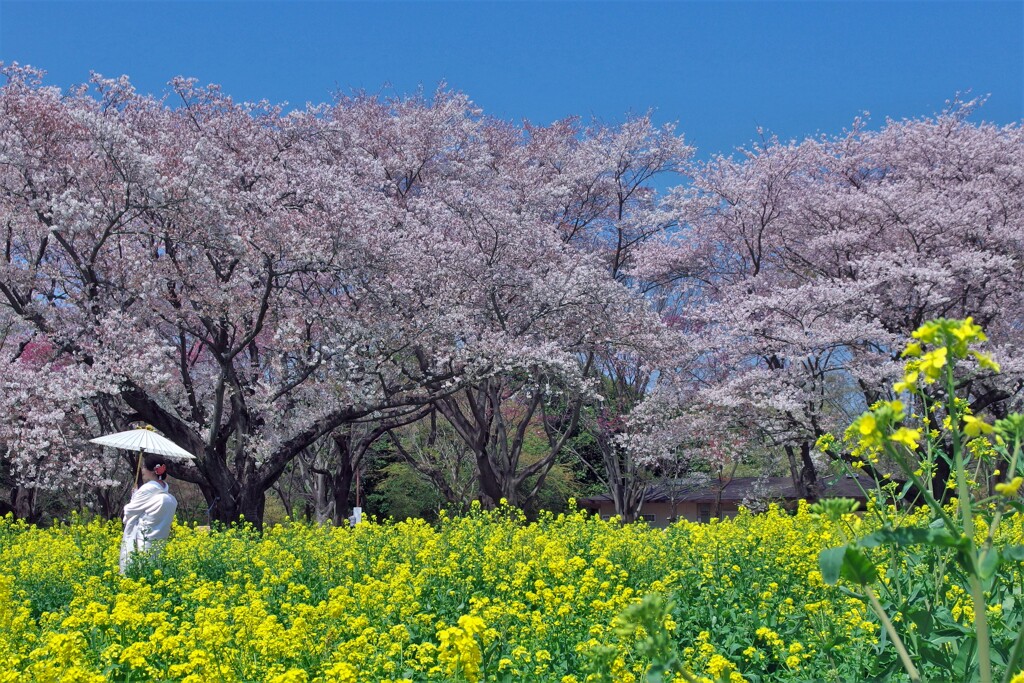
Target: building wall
pixel 661 515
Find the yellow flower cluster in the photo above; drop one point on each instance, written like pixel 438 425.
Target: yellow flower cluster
pixel 487 597
pixel 946 336
pixel 460 650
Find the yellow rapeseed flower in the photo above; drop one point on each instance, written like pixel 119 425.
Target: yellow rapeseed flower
pixel 1011 488
pixel 928 332
pixel 968 331
pixel 909 382
pixel 906 436
pixel 913 350
pixel 932 363
pixel 985 361
pixel 867 425
pixel 974 426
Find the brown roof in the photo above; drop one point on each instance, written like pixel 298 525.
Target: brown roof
pixel 703 490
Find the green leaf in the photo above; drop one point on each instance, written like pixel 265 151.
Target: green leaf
pixel 1013 552
pixel 886 675
pixel 934 536
pixel 964 658
pixel 933 654
pixel 989 564
pixel 943 538
pixel 967 561
pixel 1009 604
pixel 830 561
pixel 922 619
pixel 942 640
pixel 857 568
pixel 851 594
pixel 875 539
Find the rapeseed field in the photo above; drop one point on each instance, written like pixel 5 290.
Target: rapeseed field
pixel 485 597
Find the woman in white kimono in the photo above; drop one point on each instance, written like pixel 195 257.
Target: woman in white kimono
pixel 148 515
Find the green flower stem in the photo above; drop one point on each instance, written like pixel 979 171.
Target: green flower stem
pixel 981 626
pixel 967 514
pixel 1015 654
pixel 894 453
pixel 690 678
pixel 890 628
pixel 1018 644
pixel 1011 472
pixel 915 676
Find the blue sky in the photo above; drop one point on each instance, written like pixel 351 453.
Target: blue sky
pixel 720 69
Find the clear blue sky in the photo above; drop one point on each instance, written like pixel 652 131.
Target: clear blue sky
pixel 720 69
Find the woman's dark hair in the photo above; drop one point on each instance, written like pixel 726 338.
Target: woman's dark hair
pixel 153 461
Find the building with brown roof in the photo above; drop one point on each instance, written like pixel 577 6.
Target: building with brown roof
pixel 701 499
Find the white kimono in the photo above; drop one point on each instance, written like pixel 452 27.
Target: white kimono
pixel 147 518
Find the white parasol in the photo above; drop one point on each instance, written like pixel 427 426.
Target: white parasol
pixel 143 441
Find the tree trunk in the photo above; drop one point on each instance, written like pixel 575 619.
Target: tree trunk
pixel 723 481
pixel 23 501
pixel 810 489
pixel 794 468
pixel 496 440
pixel 491 485
pixel 805 479
pixel 628 496
pixel 445 476
pixel 627 489
pixel 108 506
pixel 231 496
pixel 341 484
pixel 238 490
pixel 232 504
pixel 252 507
pixel 323 509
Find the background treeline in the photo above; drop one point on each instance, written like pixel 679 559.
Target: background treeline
pixel 408 301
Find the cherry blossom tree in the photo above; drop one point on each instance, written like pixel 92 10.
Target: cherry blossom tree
pixel 208 267
pixel 52 373
pixel 607 207
pixel 568 209
pixel 438 455
pixel 808 264
pixel 251 282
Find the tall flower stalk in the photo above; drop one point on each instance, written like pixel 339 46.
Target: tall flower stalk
pixel 945 428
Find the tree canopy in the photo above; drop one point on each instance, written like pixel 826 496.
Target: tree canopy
pixel 256 282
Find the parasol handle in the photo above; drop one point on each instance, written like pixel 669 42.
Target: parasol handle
pixel 138 468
